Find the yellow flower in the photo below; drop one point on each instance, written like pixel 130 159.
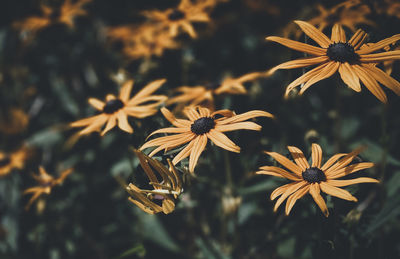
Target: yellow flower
pixel 13 160
pixel 181 17
pixel 315 178
pixel 142 41
pixel 351 58
pixel 205 95
pixel 65 14
pixel 142 105
pixel 201 126
pixel 46 183
pixel 164 192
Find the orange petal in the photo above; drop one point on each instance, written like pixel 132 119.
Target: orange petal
pixel 316 155
pixel 299 158
pixel 286 162
pixel 315 193
pixel 314 34
pixel 299 46
pixel 337 192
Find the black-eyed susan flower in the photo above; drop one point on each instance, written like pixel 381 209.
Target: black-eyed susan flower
pixel 167 186
pixel 46 183
pixel 65 14
pixel 15 160
pixel 181 17
pixel 315 178
pixel 142 41
pixel 353 59
pixel 117 109
pixel 201 126
pixel 205 95
pixel 348 13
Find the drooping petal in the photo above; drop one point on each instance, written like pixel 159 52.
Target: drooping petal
pixel 383 78
pixel 314 33
pixel 294 197
pixel 123 122
pixel 185 152
pixel 349 77
pixel 304 78
pixel 223 141
pixel 326 72
pixel 281 189
pixel 174 121
pixel 315 193
pixel 112 121
pixel 370 83
pixel 199 145
pixel 337 192
pixel 288 192
pixel 285 162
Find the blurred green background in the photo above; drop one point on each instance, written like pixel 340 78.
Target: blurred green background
pixel 225 212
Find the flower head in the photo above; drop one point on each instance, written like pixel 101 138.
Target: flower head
pixel 65 14
pixel 181 17
pixel 46 183
pixel 314 178
pixel 12 160
pixel 142 41
pixel 167 186
pixel 114 109
pixel 201 126
pixel 353 59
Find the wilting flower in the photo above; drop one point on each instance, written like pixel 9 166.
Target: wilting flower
pixel 114 109
pixel 204 95
pixel 353 59
pixel 181 17
pixel 165 191
pixel 315 178
pixel 65 14
pixel 46 183
pixel 201 126
pixel 14 121
pixel 12 160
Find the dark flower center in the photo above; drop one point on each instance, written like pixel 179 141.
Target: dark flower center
pixel 313 175
pixel 176 15
pixel 113 106
pixel 342 52
pixel 4 161
pixel 202 125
